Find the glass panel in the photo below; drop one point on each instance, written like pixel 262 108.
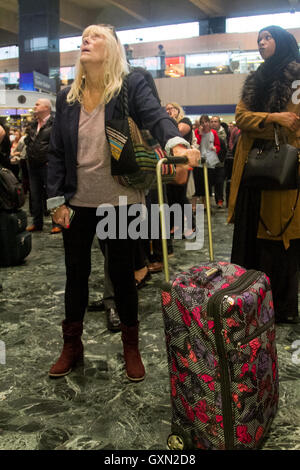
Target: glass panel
pixel 69 44
pixel 160 33
pixel 149 63
pixel 36 44
pixel 174 66
pixel 247 24
pixel 10 52
pixel 9 78
pixel 245 62
pixel 67 74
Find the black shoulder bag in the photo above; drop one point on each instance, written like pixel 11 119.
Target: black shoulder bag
pixel 272 166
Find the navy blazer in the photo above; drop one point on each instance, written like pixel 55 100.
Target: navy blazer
pixel 144 108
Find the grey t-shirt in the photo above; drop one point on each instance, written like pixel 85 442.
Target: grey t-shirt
pixel 206 149
pixel 95 185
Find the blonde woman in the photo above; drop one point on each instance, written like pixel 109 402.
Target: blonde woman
pixel 185 126
pixel 79 178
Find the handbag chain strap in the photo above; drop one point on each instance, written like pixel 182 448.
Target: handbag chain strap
pixel 287 223
pixel 276 138
pixel 261 148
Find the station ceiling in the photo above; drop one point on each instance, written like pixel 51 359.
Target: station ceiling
pixel 75 15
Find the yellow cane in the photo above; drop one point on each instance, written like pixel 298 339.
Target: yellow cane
pixel 206 185
pixel 162 217
pixel 178 160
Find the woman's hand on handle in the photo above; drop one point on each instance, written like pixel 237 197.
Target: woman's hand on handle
pixel 61 216
pixel 193 155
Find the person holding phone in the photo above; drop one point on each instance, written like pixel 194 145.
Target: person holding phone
pixel 79 176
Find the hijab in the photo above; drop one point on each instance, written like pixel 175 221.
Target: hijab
pixel 271 71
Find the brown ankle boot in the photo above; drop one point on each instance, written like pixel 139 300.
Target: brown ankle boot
pixel 72 352
pixel 135 370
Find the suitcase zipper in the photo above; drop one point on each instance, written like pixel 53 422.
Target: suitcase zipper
pixel 237 287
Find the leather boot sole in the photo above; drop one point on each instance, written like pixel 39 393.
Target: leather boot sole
pixel 135 379
pixel 80 362
pixel 60 375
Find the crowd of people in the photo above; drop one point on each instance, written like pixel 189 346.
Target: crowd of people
pixel 59 161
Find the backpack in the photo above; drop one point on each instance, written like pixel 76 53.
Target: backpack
pixel 11 191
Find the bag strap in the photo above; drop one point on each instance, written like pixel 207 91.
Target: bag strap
pixel 277 131
pixel 124 97
pixel 276 138
pixel 287 223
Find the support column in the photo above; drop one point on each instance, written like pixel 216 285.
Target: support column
pixel 39 39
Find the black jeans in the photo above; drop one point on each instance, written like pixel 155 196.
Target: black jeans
pixel 199 180
pixel 176 194
pixel 38 181
pixel 78 240
pixel 219 184
pixel 282 267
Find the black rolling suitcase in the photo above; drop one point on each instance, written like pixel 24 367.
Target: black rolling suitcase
pixel 220 339
pixel 15 242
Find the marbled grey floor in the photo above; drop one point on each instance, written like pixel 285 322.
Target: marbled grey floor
pixel 95 407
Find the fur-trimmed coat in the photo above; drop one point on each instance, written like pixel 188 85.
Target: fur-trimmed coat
pixel 276 206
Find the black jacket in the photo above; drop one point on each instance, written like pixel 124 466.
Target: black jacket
pixel 5 150
pixel 37 145
pixel 144 108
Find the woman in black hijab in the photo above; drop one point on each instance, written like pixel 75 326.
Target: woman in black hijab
pixel 270 79
pixel 262 239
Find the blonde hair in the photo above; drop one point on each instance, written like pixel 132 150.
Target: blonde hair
pixel 179 109
pixel 114 67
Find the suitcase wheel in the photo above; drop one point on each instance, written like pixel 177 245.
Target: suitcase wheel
pixel 175 442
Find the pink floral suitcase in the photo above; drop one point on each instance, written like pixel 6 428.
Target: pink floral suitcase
pixel 220 337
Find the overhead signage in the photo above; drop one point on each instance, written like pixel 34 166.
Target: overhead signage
pixel 44 83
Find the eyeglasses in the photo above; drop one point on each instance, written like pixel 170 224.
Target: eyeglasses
pixel 170 108
pixel 112 29
pixel 107 26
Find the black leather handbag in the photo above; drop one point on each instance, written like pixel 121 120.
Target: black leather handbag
pixel 272 166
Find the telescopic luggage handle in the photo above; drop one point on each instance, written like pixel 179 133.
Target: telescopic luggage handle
pixel 208 211
pixel 179 160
